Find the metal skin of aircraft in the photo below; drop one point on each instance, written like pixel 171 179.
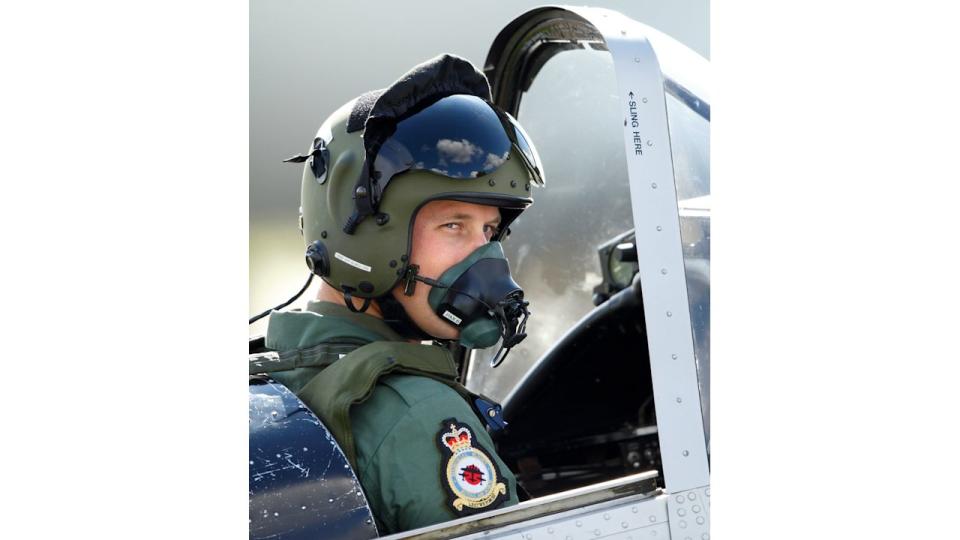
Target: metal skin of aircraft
pixel 609 408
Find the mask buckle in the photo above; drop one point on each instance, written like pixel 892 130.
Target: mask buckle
pixel 410 279
pixel 412 276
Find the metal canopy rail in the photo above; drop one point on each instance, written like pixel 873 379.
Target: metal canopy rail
pixel 517 55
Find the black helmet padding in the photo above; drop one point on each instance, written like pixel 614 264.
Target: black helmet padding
pixel 438 77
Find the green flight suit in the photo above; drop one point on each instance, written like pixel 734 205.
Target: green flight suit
pixel 397 428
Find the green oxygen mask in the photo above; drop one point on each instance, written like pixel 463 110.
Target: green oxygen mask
pixel 479 296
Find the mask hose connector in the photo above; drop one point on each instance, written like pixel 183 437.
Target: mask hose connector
pixel 513 330
pixel 512 313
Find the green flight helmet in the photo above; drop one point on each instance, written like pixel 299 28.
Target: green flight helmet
pixel 379 158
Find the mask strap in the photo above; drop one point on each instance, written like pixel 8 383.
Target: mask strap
pixel 411 277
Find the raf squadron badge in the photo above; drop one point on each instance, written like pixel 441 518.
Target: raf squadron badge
pixel 469 474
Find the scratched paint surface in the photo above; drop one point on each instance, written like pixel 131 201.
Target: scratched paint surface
pixel 301 485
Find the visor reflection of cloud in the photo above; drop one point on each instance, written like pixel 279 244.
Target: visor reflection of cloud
pixel 461 151
pixel 493 161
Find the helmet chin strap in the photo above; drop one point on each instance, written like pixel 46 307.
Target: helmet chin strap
pixel 348 300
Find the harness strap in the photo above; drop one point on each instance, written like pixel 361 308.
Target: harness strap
pixel 319 356
pixel 351 380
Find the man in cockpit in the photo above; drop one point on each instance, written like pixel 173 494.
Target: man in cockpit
pixel 407 193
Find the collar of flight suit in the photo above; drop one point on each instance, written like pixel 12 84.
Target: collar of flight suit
pixel 325 322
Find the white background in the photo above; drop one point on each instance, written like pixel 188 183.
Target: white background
pixel 124 222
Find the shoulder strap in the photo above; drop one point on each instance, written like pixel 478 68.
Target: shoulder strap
pixel 318 356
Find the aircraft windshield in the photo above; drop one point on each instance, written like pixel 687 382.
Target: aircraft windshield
pixel 567 111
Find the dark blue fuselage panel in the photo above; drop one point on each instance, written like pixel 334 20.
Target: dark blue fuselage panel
pixel 301 485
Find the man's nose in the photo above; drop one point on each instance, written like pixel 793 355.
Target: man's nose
pixel 478 238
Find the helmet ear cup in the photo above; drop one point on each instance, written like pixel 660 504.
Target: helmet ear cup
pixel 318 260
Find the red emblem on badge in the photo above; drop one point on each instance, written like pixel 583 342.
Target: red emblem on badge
pixel 472 474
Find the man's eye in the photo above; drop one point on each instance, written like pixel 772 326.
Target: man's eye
pixel 492 230
pixel 452 226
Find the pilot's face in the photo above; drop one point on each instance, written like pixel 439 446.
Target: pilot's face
pixel 444 233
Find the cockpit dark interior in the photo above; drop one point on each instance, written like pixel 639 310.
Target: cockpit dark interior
pixel 585 413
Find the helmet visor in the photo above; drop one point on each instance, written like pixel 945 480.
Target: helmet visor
pixel 459 136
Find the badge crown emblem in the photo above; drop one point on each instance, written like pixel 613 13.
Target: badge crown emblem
pixel 456 439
